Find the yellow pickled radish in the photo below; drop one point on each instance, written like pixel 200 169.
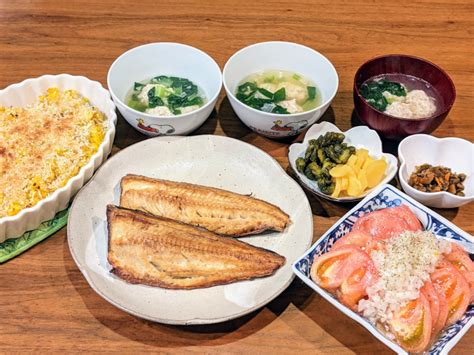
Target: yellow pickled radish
pixel 355 188
pixel 362 155
pixel 355 171
pixel 344 183
pixel 337 187
pixel 362 179
pixel 367 161
pixel 340 171
pixel 360 173
pixel 352 161
pixel 375 171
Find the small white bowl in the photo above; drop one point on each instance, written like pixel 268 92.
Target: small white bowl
pixel 173 59
pixel 280 56
pixel 454 153
pixel 25 93
pixel 359 137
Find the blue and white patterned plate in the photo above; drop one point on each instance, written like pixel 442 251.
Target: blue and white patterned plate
pixel 382 197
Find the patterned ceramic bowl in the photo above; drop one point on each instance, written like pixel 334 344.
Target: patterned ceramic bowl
pixel 174 59
pixel 280 56
pixel 387 196
pixel 359 137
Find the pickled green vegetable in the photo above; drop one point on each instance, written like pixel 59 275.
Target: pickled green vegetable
pixel 321 156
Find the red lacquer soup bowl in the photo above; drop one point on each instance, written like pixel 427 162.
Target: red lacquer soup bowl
pixel 397 128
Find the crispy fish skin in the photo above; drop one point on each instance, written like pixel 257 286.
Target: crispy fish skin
pixel 217 210
pixel 161 252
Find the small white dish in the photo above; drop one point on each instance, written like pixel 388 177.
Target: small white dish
pixel 388 196
pixel 280 56
pixel 25 93
pixel 171 59
pixel 451 152
pixel 207 160
pixel 359 137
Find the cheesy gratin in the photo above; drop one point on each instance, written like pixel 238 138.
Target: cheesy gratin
pixel 45 144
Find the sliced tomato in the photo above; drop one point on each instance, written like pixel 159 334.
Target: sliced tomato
pixel 433 298
pixel 411 325
pixel 328 269
pixel 448 281
pixel 388 222
pixel 360 274
pixel 408 216
pixel 377 224
pixel 460 259
pixel 443 311
pixel 358 239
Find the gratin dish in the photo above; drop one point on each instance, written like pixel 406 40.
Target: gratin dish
pixel 280 56
pixel 451 152
pixel 24 93
pixel 359 137
pixel 207 160
pixel 387 196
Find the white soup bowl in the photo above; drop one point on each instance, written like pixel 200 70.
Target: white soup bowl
pixel 171 59
pixel 285 56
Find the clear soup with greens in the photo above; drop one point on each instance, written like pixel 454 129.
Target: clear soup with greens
pixel 278 91
pixel 165 96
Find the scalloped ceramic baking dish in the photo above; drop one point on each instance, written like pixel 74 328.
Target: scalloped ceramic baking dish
pixel 24 93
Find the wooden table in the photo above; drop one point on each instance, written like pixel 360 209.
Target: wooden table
pixel 46 304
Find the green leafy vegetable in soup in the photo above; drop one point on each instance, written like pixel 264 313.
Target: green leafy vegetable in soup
pixel 373 92
pixel 278 92
pixel 401 95
pixel 165 96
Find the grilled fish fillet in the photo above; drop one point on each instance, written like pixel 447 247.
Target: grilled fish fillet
pixel 161 252
pixel 217 210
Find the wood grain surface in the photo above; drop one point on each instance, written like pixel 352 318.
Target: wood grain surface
pixel 45 303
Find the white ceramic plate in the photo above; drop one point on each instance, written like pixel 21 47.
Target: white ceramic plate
pixel 359 137
pixel 25 93
pixel 208 160
pixel 452 152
